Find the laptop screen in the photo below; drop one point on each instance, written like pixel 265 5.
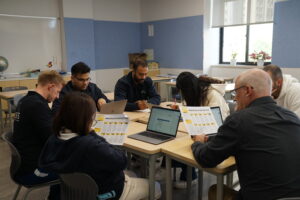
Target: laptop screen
pixel 164 121
pixel 217 114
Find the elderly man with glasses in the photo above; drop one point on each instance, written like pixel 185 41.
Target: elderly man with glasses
pixel 80 81
pixel 263 137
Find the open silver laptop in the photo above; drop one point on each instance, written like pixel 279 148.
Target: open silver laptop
pixel 114 107
pixel 162 126
pixel 216 111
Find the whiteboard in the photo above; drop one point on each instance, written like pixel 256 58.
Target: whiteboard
pixel 30 43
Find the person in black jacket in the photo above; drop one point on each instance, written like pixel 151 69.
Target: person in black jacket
pixel 260 136
pixel 33 126
pixel 80 81
pixel 75 147
pixel 137 88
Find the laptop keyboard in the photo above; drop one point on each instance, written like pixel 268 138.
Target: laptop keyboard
pixel 153 135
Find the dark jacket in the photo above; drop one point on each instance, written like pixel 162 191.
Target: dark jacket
pixel 126 88
pixel 92 90
pixel 89 154
pixel 265 140
pixel 32 127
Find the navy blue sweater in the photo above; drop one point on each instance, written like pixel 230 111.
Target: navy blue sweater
pixel 89 154
pixel 92 90
pixel 126 88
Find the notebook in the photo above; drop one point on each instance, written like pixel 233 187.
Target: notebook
pixel 114 107
pixel 162 126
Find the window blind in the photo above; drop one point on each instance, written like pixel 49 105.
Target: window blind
pixel 241 12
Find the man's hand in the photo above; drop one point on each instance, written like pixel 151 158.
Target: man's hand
pixel 101 101
pixel 200 138
pixel 142 104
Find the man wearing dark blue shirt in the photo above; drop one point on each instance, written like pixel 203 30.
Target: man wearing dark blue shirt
pixel 137 88
pixel 80 81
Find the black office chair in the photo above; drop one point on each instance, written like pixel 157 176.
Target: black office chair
pixel 78 186
pixel 15 165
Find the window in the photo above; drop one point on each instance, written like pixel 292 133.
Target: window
pixel 244 40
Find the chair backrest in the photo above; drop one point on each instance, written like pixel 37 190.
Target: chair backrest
pixel 17 98
pixel 15 155
pixel 78 186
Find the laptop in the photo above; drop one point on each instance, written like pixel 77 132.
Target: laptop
pixel 114 107
pixel 162 126
pixel 216 111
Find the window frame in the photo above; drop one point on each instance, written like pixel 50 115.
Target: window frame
pixel 246 52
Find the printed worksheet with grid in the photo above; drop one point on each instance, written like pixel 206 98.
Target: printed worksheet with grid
pixel 198 120
pixel 112 127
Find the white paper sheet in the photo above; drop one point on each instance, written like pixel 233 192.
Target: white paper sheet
pixel 198 120
pixel 112 127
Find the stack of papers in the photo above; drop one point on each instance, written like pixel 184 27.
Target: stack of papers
pixel 112 127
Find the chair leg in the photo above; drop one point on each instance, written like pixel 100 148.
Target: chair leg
pixel 5 120
pixel 17 192
pixel 27 193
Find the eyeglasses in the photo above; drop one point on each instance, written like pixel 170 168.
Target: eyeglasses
pixel 233 92
pixel 83 80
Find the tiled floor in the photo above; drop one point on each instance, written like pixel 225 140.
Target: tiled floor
pixel 8 187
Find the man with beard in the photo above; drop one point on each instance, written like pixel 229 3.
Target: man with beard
pixel 137 88
pixel 286 89
pixel 260 136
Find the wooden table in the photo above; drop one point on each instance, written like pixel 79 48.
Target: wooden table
pixel 146 150
pixel 8 96
pixel 181 151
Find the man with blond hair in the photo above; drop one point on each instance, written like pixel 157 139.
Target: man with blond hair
pixel 260 135
pixel 33 126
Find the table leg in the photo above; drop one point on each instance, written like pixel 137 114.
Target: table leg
pixel 229 180
pixel 220 182
pixel 168 179
pixel 200 184
pixel 152 161
pixel 189 181
pixel 1 115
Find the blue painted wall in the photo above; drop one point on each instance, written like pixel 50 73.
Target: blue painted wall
pixel 113 42
pixel 177 43
pixel 286 34
pixel 80 42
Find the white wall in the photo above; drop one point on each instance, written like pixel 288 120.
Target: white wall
pixel 29 7
pixel 117 10
pixel 210 40
pixel 78 8
pixel 167 9
pixel 107 78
